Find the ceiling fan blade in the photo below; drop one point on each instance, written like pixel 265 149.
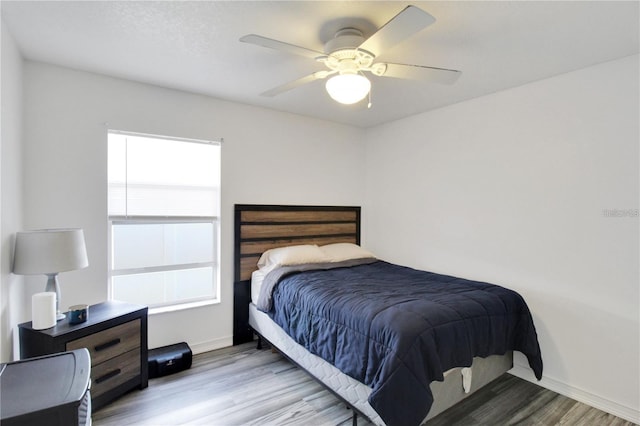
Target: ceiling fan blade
pixel 280 45
pixel 402 26
pixel 419 72
pixel 319 75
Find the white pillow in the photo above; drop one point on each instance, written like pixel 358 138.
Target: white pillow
pixel 345 251
pixel 291 255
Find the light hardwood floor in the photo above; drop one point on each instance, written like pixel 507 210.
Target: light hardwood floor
pixel 245 386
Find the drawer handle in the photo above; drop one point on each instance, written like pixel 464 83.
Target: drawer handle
pixel 107 345
pixel 108 376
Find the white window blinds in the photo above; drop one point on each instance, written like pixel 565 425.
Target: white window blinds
pixel 163 177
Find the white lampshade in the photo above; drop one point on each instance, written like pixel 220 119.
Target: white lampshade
pixel 348 88
pixel 49 251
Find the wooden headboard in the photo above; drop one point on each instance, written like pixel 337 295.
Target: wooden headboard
pixel 259 228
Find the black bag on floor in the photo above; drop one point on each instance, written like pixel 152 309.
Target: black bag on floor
pixel 169 359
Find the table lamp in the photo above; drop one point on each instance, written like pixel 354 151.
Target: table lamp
pixel 48 252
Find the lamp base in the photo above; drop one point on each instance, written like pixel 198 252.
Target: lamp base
pixel 52 285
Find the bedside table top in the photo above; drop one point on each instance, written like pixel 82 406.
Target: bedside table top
pixel 97 313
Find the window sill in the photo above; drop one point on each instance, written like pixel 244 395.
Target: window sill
pixel 182 306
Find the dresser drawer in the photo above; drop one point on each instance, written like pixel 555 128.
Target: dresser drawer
pixel 109 343
pixel 114 372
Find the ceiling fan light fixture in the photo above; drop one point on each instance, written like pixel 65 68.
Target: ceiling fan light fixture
pixel 348 88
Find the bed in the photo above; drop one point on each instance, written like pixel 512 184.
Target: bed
pixel 367 372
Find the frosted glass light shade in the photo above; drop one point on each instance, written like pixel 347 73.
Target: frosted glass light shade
pixel 49 251
pixel 348 88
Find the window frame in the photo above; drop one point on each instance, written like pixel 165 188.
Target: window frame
pixel 161 220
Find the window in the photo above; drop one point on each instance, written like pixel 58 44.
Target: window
pixel 164 208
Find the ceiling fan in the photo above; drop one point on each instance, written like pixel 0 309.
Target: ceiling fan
pixel 349 55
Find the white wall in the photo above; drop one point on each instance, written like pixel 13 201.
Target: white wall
pixel 267 157
pixel 11 291
pixel 510 188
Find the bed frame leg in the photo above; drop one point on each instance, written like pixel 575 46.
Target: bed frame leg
pixel 354 419
pixel 259 347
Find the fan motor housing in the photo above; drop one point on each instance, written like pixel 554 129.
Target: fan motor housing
pixel 346 38
pixel 343 54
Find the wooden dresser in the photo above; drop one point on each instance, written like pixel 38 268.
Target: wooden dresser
pixel 115 335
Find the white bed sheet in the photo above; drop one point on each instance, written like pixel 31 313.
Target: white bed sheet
pixel 257 277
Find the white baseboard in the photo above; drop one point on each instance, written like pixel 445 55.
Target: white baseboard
pixel 211 345
pixel 580 395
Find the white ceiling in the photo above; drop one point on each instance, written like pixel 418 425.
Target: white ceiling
pixel 194 46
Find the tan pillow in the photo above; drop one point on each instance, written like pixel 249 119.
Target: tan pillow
pixel 291 255
pixel 345 251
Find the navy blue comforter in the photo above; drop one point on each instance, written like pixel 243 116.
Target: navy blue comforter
pixel 397 329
